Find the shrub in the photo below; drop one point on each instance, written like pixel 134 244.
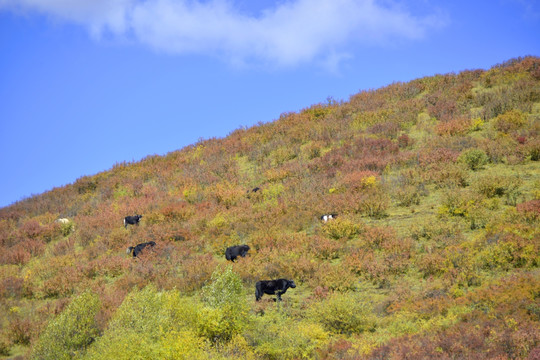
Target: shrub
pixel 408 195
pixel 502 149
pixel 456 204
pixel 282 155
pixel 11 286
pixel 151 325
pixel 530 210
pixel 66 228
pixel 16 255
pixel 20 330
pixel 474 158
pixel 4 348
pixel 196 271
pixel 360 180
pixel 448 175
pixel 477 124
pixel 334 277
pixel 344 314
pixel 404 141
pixel 225 314
pixel 431 264
pixel 453 127
pixel 225 288
pixel 533 149
pixel 373 203
pixel 512 251
pixel 498 186
pixel 325 249
pixel 510 121
pixel 341 229
pixel 224 193
pixel 69 335
pixel 278 336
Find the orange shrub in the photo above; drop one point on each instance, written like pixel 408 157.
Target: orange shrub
pixel 196 271
pixel 325 249
pixel 456 126
pixel 378 237
pixel 359 180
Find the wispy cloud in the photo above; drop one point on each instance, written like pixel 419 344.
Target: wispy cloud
pixel 290 33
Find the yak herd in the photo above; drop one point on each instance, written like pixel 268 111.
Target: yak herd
pixel 271 287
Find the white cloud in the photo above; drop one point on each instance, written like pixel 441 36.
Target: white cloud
pixel 288 34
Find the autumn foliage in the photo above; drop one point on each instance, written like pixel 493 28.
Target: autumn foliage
pixel 434 252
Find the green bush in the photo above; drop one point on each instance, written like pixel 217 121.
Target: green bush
pixel 474 158
pixel 67 228
pixel 226 312
pixel 344 314
pixel 498 186
pixel 69 335
pixel 225 288
pixel 278 336
pixel 4 348
pixel 151 325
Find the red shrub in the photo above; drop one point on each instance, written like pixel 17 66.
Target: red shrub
pixel 440 107
pixel 438 155
pixel 337 350
pixel 31 229
pixel 64 247
pixel 530 210
pixel 11 286
pixel 16 255
pixel 388 129
pixel 404 141
pixel 379 237
pixel 20 330
pixel 196 271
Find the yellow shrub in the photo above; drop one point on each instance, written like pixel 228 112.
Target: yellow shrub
pixel 477 124
pixel 341 229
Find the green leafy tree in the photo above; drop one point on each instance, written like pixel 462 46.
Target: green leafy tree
pixel 225 312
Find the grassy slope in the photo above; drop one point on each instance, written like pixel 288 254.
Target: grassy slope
pixel 424 249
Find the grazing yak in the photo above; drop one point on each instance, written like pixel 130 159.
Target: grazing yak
pixel 62 221
pixel 327 217
pixel 137 249
pixel 132 220
pixel 234 251
pixel 271 287
pixel 252 191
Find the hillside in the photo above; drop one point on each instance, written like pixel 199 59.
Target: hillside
pixel 434 252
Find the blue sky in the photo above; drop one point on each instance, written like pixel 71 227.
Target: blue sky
pixel 87 84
